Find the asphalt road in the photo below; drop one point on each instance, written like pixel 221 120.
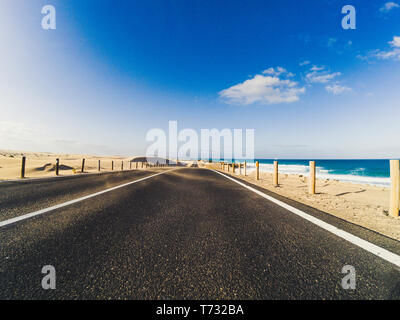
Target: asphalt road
pixel 186 234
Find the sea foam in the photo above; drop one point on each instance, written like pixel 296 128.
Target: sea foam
pixel 323 173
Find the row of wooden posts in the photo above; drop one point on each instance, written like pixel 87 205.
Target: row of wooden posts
pixel 275 175
pixel 57 166
pixel 394 176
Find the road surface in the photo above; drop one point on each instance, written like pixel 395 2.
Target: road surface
pixel 189 233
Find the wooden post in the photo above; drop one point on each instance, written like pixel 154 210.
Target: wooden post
pixel 228 166
pixel 83 165
pixel 137 165
pixel 276 181
pixel 130 165
pixel 240 169
pixel 311 186
pixel 233 167
pixel 99 166
pixel 57 166
pixel 245 168
pixel 112 165
pixel 122 166
pixel 395 187
pixel 23 167
pixel 257 170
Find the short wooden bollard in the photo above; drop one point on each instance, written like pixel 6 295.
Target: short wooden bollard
pixel 311 185
pixel 276 181
pixel 240 169
pixel 130 165
pixel 257 170
pixel 122 166
pixel 137 165
pixel 98 166
pixel 57 166
pixel 233 167
pixel 112 165
pixel 83 165
pixel 395 187
pixel 23 167
pixel 228 166
pixel 245 168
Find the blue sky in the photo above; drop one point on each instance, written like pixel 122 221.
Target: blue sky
pixel 112 70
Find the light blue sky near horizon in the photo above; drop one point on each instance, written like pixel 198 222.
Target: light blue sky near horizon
pixel 112 70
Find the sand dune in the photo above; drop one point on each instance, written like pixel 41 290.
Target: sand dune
pixel 41 164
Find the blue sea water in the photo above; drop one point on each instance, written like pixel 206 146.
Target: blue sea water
pixel 373 172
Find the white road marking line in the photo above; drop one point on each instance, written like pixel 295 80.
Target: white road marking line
pixel 61 205
pixel 27 179
pixel 368 246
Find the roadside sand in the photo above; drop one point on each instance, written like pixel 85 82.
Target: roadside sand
pixel 364 205
pixel 43 164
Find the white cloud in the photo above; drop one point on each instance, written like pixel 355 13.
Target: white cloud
pixel 391 54
pixel 319 76
pixel 395 42
pixel 315 68
pixel 267 88
pixel 304 63
pixel 16 130
pixel 337 89
pixel 386 55
pixel 275 72
pixel 389 6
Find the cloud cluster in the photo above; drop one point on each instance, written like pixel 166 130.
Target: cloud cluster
pixel 337 89
pixel 319 75
pixel 304 63
pixel 391 54
pixel 277 72
pixel 270 87
pixel 389 6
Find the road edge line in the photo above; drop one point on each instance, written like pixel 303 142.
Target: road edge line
pixel 61 205
pixel 366 245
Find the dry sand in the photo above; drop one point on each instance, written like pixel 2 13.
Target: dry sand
pixel 364 205
pixel 43 164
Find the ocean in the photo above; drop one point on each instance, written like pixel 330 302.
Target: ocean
pixel 372 172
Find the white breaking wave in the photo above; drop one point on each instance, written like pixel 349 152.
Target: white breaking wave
pixel 323 173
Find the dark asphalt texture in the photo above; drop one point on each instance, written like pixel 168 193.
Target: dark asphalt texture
pixel 186 234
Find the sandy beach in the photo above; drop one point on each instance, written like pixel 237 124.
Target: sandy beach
pixel 39 164
pixel 364 205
